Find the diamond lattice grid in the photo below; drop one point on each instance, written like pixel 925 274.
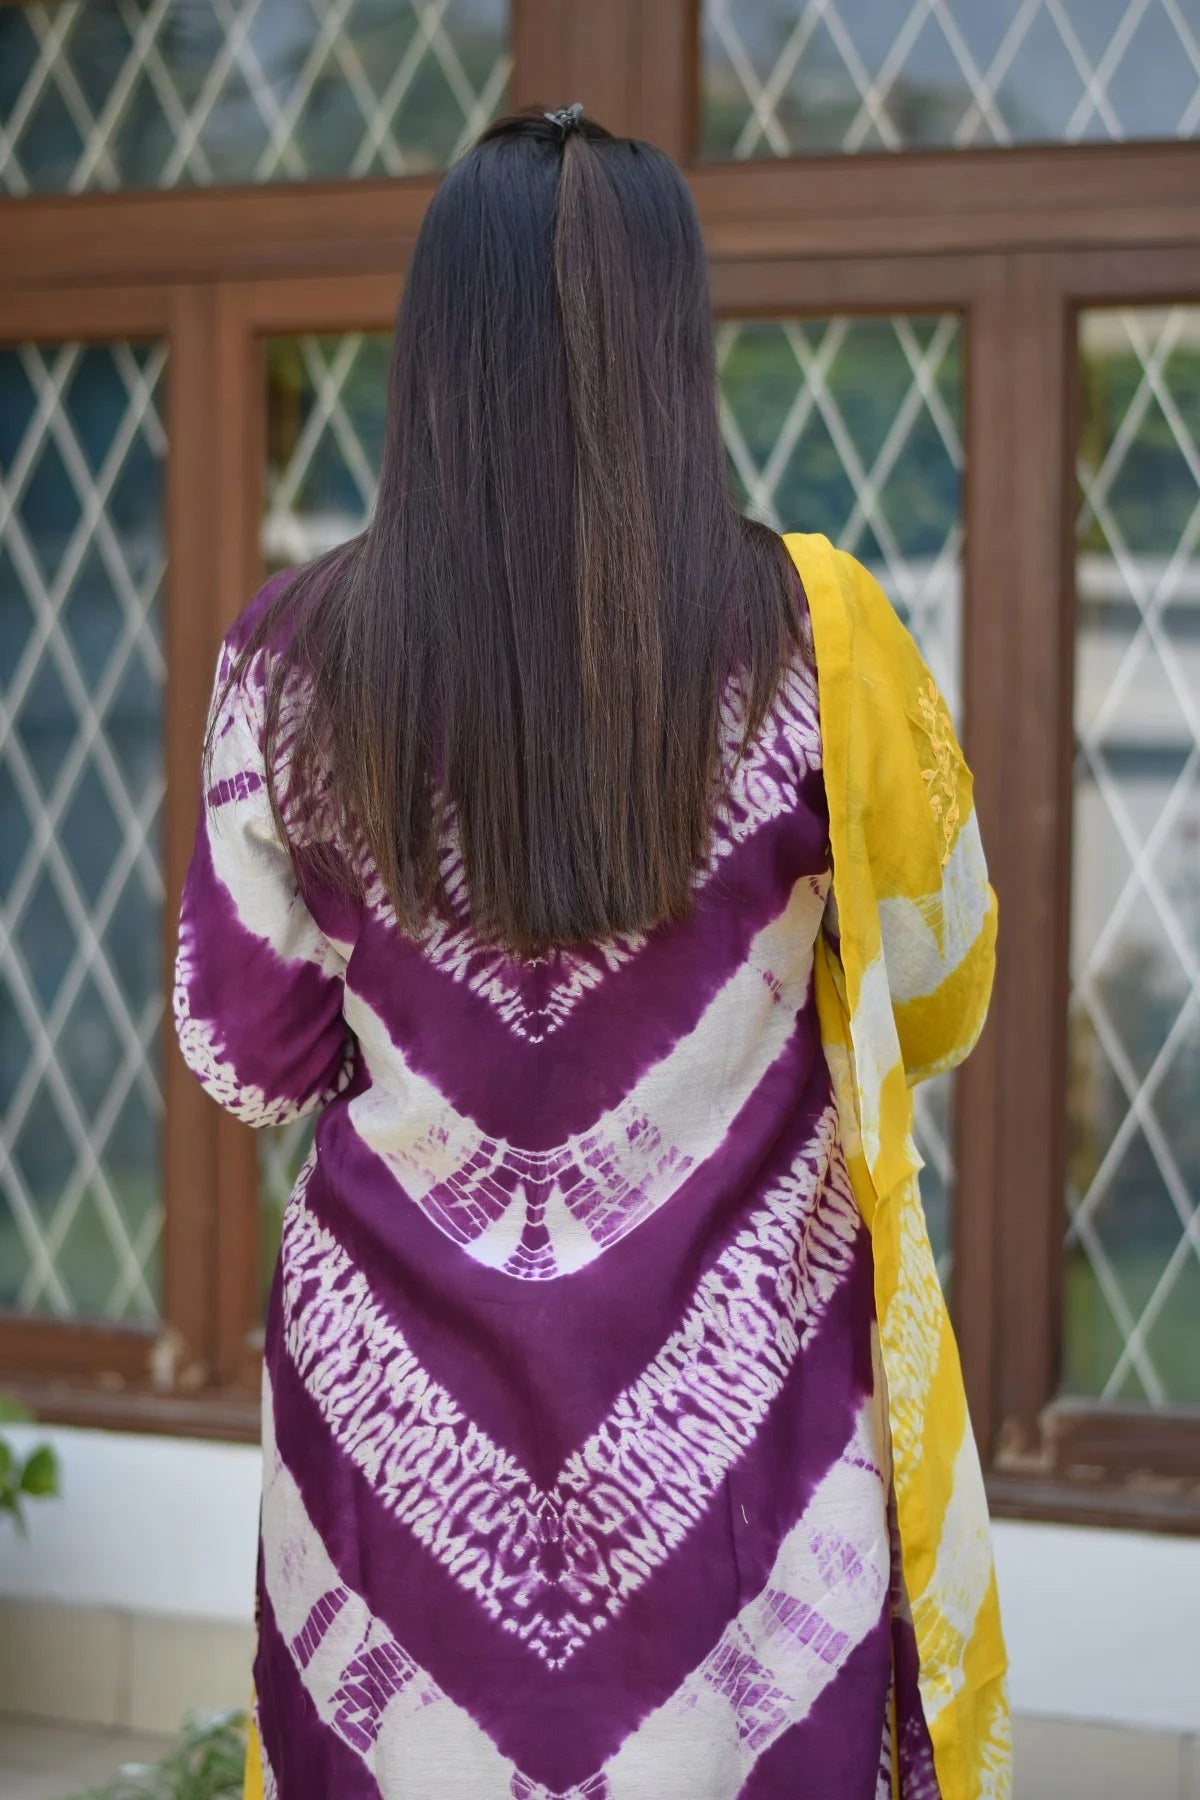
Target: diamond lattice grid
pixel 81 782
pixel 781 79
pixel 165 93
pixel 854 425
pixel 1133 1239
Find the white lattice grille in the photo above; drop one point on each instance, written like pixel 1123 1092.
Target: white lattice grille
pixel 171 93
pixel 789 77
pixel 853 426
pixel 1132 1326
pixel 81 566
pixel 849 425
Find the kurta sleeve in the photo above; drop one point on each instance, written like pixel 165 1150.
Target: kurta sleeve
pixel 258 986
pixel 937 909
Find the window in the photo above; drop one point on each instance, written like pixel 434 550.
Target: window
pixel 1131 1318
pixel 781 79
pixel 81 791
pixel 957 330
pixel 176 95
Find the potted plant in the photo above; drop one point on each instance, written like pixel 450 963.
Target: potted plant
pixel 22 1478
pixel 208 1765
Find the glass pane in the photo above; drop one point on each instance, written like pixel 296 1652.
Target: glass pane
pixel 81 783
pixel 805 77
pixel 179 95
pixel 849 425
pixel 1132 1323
pixel 853 427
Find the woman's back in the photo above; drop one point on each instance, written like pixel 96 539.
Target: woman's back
pixel 529 863
pixel 577 1475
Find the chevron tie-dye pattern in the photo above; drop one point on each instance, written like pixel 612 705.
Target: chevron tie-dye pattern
pixel 576 1460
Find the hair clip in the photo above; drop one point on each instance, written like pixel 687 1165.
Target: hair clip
pixel 567 117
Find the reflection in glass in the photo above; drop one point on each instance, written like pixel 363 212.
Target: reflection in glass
pixel 81 781
pixel 803 77
pixel 848 426
pixel 1132 1326
pixel 184 95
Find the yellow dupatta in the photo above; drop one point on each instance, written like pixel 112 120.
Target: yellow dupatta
pixel 902 979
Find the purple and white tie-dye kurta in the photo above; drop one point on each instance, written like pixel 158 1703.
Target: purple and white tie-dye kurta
pixel 575 1463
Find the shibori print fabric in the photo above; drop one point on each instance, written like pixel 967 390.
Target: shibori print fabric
pixel 576 1454
pixel 703 1581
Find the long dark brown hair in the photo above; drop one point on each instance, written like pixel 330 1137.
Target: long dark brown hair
pixel 531 636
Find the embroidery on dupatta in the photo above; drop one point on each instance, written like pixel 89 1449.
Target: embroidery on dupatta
pixel 941 781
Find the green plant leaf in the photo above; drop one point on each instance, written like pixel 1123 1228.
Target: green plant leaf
pixel 13 1412
pixel 39 1477
pixel 207 1765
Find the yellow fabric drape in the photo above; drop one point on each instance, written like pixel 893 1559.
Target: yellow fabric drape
pixel 252 1786
pixel 902 980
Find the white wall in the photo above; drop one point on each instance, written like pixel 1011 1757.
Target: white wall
pixel 1101 1625
pixel 150 1524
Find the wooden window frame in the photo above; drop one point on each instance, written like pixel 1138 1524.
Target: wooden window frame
pixel 1016 242
pixel 1057 1456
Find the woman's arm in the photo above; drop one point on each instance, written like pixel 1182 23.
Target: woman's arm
pixel 258 985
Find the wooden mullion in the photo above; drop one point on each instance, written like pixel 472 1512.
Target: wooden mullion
pixel 632 63
pixel 319 303
pixel 988 698
pixel 1143 1444
pixel 37 1347
pixel 110 1405
pixel 665 79
pixel 190 1119
pixel 1036 600
pixel 211 234
pixel 55 314
pixel 952 201
pixel 819 286
pixel 541 58
pixel 1097 1498
pixel 1159 274
pixel 932 203
pixel 238 389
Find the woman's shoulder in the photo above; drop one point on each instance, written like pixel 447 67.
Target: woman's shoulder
pixel 247 626
pixel 880 706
